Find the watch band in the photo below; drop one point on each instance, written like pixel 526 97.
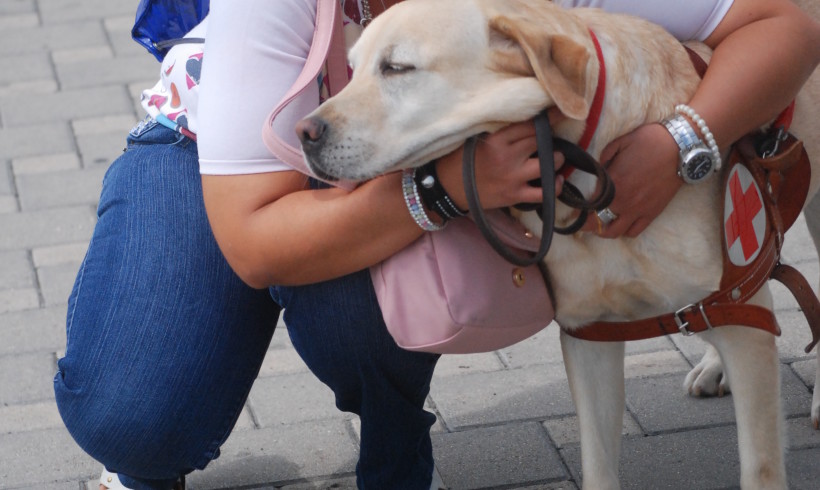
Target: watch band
pixel 683 132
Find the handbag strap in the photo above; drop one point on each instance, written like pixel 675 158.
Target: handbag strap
pixel 327 46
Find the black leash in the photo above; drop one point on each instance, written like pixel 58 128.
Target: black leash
pixel 570 195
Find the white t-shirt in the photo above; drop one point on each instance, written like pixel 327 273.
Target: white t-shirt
pixel 255 50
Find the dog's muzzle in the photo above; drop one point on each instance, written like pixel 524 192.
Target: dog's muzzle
pixel 313 133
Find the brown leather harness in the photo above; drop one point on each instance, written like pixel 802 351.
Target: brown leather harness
pixel 782 177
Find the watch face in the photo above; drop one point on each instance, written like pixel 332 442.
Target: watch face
pixel 697 166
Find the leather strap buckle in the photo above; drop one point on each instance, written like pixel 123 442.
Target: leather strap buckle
pixel 683 324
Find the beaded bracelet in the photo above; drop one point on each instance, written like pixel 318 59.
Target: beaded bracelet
pixel 704 129
pixel 413 201
pixel 433 195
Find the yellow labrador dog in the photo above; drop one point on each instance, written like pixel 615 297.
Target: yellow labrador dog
pixel 423 84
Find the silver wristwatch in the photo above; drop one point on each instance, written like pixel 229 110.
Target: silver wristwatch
pixel 696 161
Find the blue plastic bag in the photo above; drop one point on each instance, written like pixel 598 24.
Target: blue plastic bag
pixel 160 22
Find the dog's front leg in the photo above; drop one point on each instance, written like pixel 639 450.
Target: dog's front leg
pixel 752 365
pixel 595 371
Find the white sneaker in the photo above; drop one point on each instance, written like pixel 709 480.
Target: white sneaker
pixel 111 481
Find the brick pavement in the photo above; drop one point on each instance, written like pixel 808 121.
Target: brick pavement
pixel 505 419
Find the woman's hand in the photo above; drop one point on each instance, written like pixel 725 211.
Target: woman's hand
pixel 643 166
pixel 504 168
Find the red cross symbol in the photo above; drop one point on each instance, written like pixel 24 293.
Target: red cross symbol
pixel 745 206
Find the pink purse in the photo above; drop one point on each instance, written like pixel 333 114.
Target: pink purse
pixel 449 291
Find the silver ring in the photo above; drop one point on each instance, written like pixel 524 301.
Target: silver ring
pixel 607 216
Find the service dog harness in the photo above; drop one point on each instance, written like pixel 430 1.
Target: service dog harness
pixel 765 188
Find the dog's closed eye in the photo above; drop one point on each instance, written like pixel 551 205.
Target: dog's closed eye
pixel 389 68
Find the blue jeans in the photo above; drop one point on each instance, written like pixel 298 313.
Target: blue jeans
pixel 165 341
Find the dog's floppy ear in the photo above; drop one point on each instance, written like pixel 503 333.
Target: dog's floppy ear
pixel 559 63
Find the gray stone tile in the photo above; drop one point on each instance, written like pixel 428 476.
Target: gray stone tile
pixel 18 299
pixel 335 484
pixel 6 186
pixel 34 416
pixel 18 21
pixel 33 66
pixel 37 39
pixel 56 282
pixel 493 457
pixel 282 359
pixel 491 398
pixel 798 246
pixel 29 88
pixel 9 7
pixel 8 204
pixel 34 330
pixel 26 378
pixel 60 189
pixel 649 345
pixel 292 398
pixel 795 335
pixel 56 11
pixel 81 54
pixel 43 457
pixel 101 149
pixel 68 485
pixel 119 35
pixel 703 459
pixel 806 371
pixel 45 163
pixel 564 431
pixel 29 140
pixel 118 123
pixel 542 348
pixel 65 105
pixel 655 363
pixel 118 70
pixel 16 270
pixel 661 405
pixel 59 254
pixel 802 469
pixel 468 363
pixel 45 228
pixel 280 454
pixel 801 434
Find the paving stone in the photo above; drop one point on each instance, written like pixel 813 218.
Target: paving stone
pixel 802 469
pixel 118 70
pixel 649 345
pixel 18 21
pixel 59 189
pixel 56 282
pixel 104 124
pixel 16 270
pixel 56 11
pixel 45 163
pixel 468 363
pixel 9 7
pixel 703 459
pixel 491 398
pixel 101 149
pixel 65 105
pixel 119 35
pixel 33 330
pixel 83 54
pixel 801 434
pixel 5 178
pixel 492 457
pixel 69 485
pixel 798 245
pixel 45 228
pixel 661 405
pixel 39 39
pixel 26 378
pixel 795 336
pixel 34 416
pixel 806 371
pixel 43 457
pixel 28 141
pixel 28 88
pixel 292 398
pixel 542 348
pixel 280 454
pixel 8 204
pixel 18 299
pixel 335 484
pixel 32 66
pixel 59 254
pixel 655 363
pixel 564 431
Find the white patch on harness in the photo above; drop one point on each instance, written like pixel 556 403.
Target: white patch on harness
pixel 744 217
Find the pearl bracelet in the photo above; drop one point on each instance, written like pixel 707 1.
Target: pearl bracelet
pixel 413 201
pixel 704 129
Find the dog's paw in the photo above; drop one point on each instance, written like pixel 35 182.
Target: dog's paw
pixel 706 378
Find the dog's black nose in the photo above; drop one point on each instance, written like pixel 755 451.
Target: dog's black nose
pixel 311 130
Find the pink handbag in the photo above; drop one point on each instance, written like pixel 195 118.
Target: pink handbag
pixel 449 291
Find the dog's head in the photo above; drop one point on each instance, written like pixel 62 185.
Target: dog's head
pixel 429 74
